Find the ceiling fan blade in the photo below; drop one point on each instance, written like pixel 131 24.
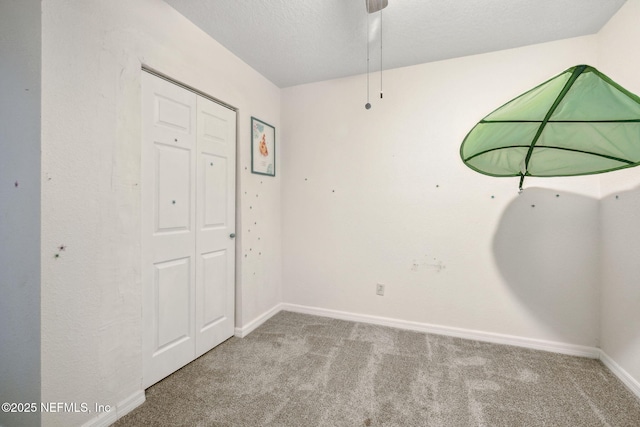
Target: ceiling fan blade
pixel 376 5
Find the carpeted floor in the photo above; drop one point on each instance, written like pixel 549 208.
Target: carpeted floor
pixel 301 370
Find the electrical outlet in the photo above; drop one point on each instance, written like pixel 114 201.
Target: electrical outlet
pixel 380 289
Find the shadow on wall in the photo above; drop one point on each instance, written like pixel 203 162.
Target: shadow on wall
pixel 547 249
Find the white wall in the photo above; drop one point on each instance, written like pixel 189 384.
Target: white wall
pixel 381 196
pixel 92 52
pixel 618 53
pixel 20 44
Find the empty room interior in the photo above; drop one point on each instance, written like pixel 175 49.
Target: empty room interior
pixel 181 180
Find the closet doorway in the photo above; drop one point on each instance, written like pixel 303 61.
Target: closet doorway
pixel 188 225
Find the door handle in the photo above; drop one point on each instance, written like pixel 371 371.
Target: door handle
pixel 232 235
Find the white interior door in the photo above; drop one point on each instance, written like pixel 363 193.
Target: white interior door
pixel 188 215
pixel 215 221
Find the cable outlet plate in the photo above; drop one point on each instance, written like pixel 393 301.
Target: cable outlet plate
pixel 380 289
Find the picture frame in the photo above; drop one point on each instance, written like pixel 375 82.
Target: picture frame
pixel 263 148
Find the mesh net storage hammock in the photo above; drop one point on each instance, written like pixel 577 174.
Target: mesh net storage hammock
pixel 579 122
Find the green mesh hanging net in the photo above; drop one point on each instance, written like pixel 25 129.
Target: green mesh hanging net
pixel 578 123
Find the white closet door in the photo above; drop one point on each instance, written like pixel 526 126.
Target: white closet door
pixel 188 215
pixel 215 221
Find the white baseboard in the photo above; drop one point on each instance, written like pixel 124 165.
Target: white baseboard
pixel 130 403
pixel 552 346
pixel 105 419
pixel 246 330
pixel 631 383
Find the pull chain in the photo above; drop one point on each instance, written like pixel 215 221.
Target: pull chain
pixel 367 105
pixel 380 54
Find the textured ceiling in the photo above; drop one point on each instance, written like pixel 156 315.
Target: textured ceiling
pixel 293 42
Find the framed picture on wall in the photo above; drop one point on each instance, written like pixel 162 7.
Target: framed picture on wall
pixel 263 148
